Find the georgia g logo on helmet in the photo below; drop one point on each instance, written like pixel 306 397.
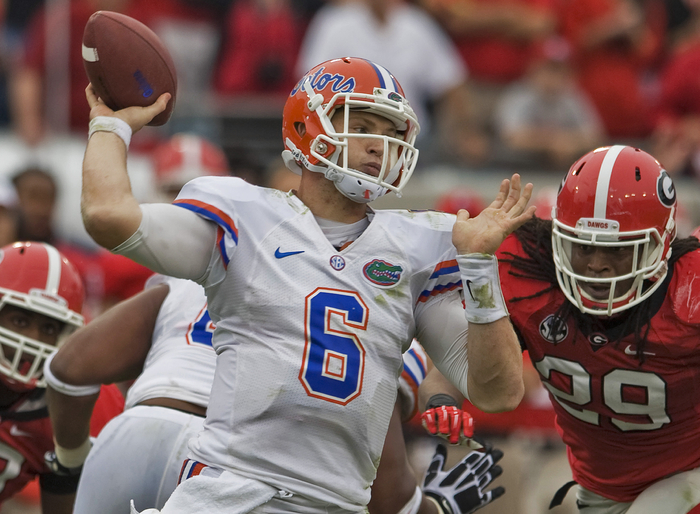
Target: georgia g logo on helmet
pixel 665 189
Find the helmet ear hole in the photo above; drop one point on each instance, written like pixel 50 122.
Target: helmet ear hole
pixel 300 128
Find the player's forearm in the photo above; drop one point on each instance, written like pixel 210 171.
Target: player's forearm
pixel 70 417
pixel 495 378
pixel 110 212
pixel 436 384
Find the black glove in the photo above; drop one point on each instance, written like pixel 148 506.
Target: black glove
pixel 59 469
pixel 462 489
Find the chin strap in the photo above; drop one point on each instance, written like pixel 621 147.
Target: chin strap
pixel 356 189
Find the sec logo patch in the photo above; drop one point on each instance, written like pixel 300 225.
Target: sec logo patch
pixel 553 329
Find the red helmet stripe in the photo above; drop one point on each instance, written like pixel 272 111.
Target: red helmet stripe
pixel 601 192
pixel 53 277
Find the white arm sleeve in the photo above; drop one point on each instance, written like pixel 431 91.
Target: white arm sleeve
pixel 172 241
pixel 442 330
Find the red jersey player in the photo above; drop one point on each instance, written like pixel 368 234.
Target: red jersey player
pixel 41 297
pixel 607 303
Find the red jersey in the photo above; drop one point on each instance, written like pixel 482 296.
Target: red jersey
pixel 626 424
pixel 26 435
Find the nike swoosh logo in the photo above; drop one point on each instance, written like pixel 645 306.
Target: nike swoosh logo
pixel 282 255
pixel 630 351
pixel 469 288
pixel 16 432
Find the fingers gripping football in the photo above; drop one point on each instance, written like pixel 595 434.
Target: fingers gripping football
pixel 451 423
pixel 462 489
pixel 136 117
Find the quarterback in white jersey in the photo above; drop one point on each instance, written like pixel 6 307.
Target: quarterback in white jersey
pixel 315 295
pixel 292 321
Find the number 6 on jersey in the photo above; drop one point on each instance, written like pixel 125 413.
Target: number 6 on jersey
pixel 334 358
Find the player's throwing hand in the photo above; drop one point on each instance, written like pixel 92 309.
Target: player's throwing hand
pixel 136 117
pixel 462 489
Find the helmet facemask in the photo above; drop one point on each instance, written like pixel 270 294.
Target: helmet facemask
pixel 650 252
pixel 21 357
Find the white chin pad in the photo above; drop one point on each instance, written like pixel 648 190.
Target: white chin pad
pixel 359 190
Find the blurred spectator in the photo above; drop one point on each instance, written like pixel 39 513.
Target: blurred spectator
pixel 36 193
pixel 14 17
pixel 52 55
pixel 544 121
pixel 410 44
pixel 108 278
pixel 260 49
pixel 616 43
pixel 676 138
pixel 497 40
pixel 679 20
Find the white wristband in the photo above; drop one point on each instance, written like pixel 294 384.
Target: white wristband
pixel 74 457
pixel 483 299
pixel 413 505
pixel 62 387
pixel 111 124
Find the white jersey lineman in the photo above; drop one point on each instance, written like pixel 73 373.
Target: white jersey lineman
pixel 139 453
pixel 309 338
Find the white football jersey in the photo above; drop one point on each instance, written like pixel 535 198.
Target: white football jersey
pixel 181 360
pixel 309 338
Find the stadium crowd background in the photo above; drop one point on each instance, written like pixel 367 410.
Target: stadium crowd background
pixel 534 84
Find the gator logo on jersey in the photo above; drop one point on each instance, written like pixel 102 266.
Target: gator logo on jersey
pixel 553 329
pixel 321 80
pixel 382 273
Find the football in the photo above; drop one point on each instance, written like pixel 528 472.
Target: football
pixel 127 63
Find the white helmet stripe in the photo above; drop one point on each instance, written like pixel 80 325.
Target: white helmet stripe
pixel 601 192
pixel 387 81
pixel 53 277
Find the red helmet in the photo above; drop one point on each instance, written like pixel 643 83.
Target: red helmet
pixel 35 277
pixel 615 197
pixel 184 157
pixel 349 83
